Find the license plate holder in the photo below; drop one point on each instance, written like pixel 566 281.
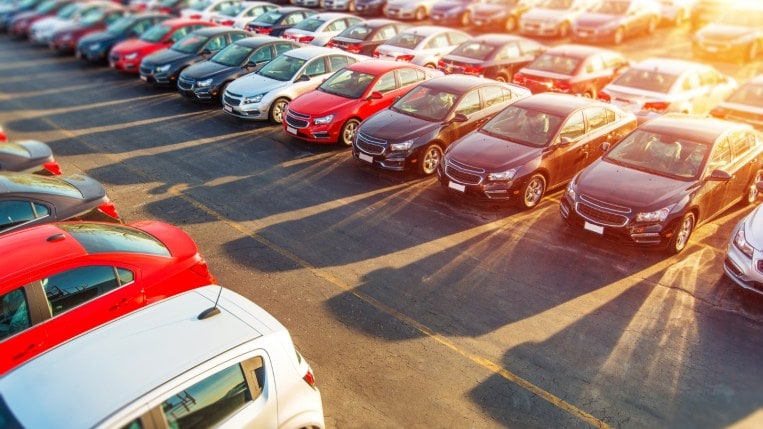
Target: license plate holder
pixel 367 158
pixel 598 229
pixel 456 186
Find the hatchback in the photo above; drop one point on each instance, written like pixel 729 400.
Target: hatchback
pixel 224 362
pixel 95 47
pixel 495 56
pixel 276 21
pixel 614 20
pixel 28 156
pixel 536 144
pixel 744 105
pixel 415 130
pixel 572 69
pixel 659 85
pixel 332 112
pixel 318 29
pixel 421 45
pixel 669 176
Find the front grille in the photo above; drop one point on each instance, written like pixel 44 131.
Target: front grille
pixel 604 205
pixel 599 216
pixel 114 57
pixel 185 84
pixel 463 173
pixel 145 70
pixel 370 145
pixel 295 122
pixel 230 100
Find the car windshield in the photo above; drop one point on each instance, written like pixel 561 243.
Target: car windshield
pixel 268 17
pixel 649 80
pixel 92 17
pixel 233 9
pixel 473 49
pixel 666 155
pixel 750 94
pixel 347 83
pixel 556 4
pixel 405 40
pixel 199 6
pixel 121 25
pixel 357 32
pixel 742 18
pixel 555 63
pixel 309 24
pixel 26 4
pixel 46 6
pixel 232 55
pixel 68 11
pixel 426 103
pixel 107 238
pixel 613 7
pixel 190 44
pixel 36 183
pixel 524 126
pixel 155 33
pixel 283 68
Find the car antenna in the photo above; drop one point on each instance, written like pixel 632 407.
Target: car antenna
pixel 213 310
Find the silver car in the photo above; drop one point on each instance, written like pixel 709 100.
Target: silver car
pixel 318 29
pixel 553 18
pixel 744 255
pixel 421 45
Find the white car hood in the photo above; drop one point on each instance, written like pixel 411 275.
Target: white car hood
pixel 254 84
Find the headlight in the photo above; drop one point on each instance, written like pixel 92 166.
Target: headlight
pixel 401 146
pixel 130 57
pixel 502 175
pixel 204 83
pixel 324 120
pixel 253 99
pixel 95 46
pixel 741 243
pixel 162 69
pixel 655 216
pixel 571 191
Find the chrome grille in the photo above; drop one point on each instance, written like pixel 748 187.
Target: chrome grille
pixel 370 145
pixel 146 70
pixel 463 173
pixel 599 216
pixel 296 120
pixel 231 101
pixel 184 83
pixel 604 205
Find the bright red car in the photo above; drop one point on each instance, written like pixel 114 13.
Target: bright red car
pixel 332 112
pixel 60 280
pixel 126 56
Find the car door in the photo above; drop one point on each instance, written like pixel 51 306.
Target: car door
pixel 711 197
pixel 570 150
pixel 22 333
pixel 744 165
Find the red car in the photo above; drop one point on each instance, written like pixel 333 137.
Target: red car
pixel 126 56
pixel 60 280
pixel 572 69
pixel 332 112
pixel 19 26
pixel 65 40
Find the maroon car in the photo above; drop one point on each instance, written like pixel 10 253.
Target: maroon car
pixel 65 40
pixel 572 69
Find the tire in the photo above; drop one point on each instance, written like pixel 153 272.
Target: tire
pixel 533 191
pixel 429 158
pixel 511 23
pixel 751 192
pixel 277 110
pixel 752 51
pixel 420 14
pixel 564 30
pixel 347 134
pixel 618 37
pixel 682 234
pixel 591 93
pixel 502 78
pixel 466 19
pixel 430 66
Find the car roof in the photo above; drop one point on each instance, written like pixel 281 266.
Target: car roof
pixel 21 248
pixel 119 362
pixel 309 52
pixel 693 127
pixel 375 66
pixel 180 22
pixel 577 51
pixel 256 41
pixel 459 83
pixel 558 104
pixel 428 30
pixel 217 29
pixel 380 22
pixel 499 38
pixel 667 65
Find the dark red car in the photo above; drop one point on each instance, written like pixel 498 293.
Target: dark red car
pixel 19 26
pixel 572 69
pixel 126 56
pixel 65 40
pixel 60 280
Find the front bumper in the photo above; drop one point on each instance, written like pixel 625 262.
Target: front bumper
pixel 300 126
pixel 119 62
pixel 252 112
pixel 465 183
pixel 375 153
pixel 93 55
pixel 707 48
pixel 148 74
pixel 743 270
pixel 585 35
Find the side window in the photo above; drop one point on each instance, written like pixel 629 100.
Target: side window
pixel 216 43
pixel 529 47
pixel 457 38
pixel 208 402
pixel 386 83
pixel 238 36
pixel 741 143
pixel 78 286
pixel 385 33
pixel 507 52
pixel 294 18
pixel 14 313
pixel 260 55
pixel 337 25
pixel 111 18
pixel 337 62
pixel 255 374
pixel 17 212
pixel 594 64
pixel 177 35
pixel 141 26
pixel 283 47
pixel 597 117
pixel 691 82
pixel 494 95
pixel 409 76
pixel 316 67
pixel 439 41
pixel 469 104
pixel 574 127
pixel 125 276
pixel 721 156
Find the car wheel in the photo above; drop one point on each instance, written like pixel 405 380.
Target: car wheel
pixel 618 37
pixel 430 66
pixel 466 18
pixel 349 129
pixel 511 23
pixel 591 93
pixel 533 191
pixel 420 14
pixel 502 78
pixel 564 30
pixel 429 158
pixel 682 234
pixel 752 52
pixel 751 194
pixel 277 110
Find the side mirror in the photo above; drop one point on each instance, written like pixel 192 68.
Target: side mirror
pixel 376 95
pixel 206 52
pixel 564 141
pixel 605 146
pixel 303 78
pixel 459 117
pixel 720 175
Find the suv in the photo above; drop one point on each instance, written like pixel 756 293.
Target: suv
pixel 208 356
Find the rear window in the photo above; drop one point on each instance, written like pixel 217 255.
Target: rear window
pixel 100 238
pixel 15 149
pixel 405 40
pixel 37 183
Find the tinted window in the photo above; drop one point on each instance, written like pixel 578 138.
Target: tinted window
pixel 100 238
pixel 741 143
pixel 494 95
pixel 338 62
pixel 409 76
pixel 294 18
pixel 14 315
pixel 439 41
pixel 555 64
pixel 238 36
pixel 217 43
pixel 574 127
pixel 14 213
pixel 262 54
pixel 508 52
pixel 470 103
pixel 78 286
pixel 650 80
pixel 385 83
pixel 721 156
pixel 598 117
pixel 316 67
pixel 405 40
pixel 473 49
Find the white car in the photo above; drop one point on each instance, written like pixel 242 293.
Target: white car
pixel 318 29
pixel 676 11
pixel 239 14
pixel 205 9
pixel 417 10
pixel 745 250
pixel 187 359
pixel 41 32
pixel 421 45
pixel 553 18
pixel 264 94
pixel 348 5
pixel 657 86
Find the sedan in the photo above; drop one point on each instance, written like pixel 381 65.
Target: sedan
pixel 20 24
pixel 318 29
pixel 536 144
pixel 495 56
pixel 364 37
pixel 669 176
pixel 95 47
pixel 29 156
pixel 659 85
pixel 162 68
pixel 735 35
pixel 745 251
pixel 207 80
pixel 614 20
pixel 65 39
pixel 61 280
pixel 553 18
pixel 264 95
pixel 572 69
pixel 276 21
pixel 417 10
pixel 450 12
pixel 422 45
pixel 239 14
pixel 744 105
pixel 414 132
pixel 332 112
pixel 501 14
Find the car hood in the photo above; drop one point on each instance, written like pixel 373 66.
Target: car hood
pixel 254 84
pixel 723 32
pixel 753 228
pixel 134 45
pixel 394 127
pixel 545 14
pixel 629 187
pixel 596 19
pixel 491 153
pixel 37 149
pixel 89 187
pixel 318 103
pixel 206 69
pixel 166 56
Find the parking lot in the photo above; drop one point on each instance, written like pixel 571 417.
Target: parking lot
pixel 415 309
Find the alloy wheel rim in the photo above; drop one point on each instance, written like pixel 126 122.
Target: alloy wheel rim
pixel 431 160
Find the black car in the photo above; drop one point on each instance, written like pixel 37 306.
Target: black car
pixel 364 37
pixel 535 144
pixel 735 35
pixel 207 80
pixel 162 68
pixel 275 22
pixel 370 7
pixel 415 130
pixel 95 47
pixel 496 56
pixel 744 105
pixel 28 156
pixel 449 12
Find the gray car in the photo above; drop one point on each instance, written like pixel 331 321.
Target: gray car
pixel 745 251
pixel 28 156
